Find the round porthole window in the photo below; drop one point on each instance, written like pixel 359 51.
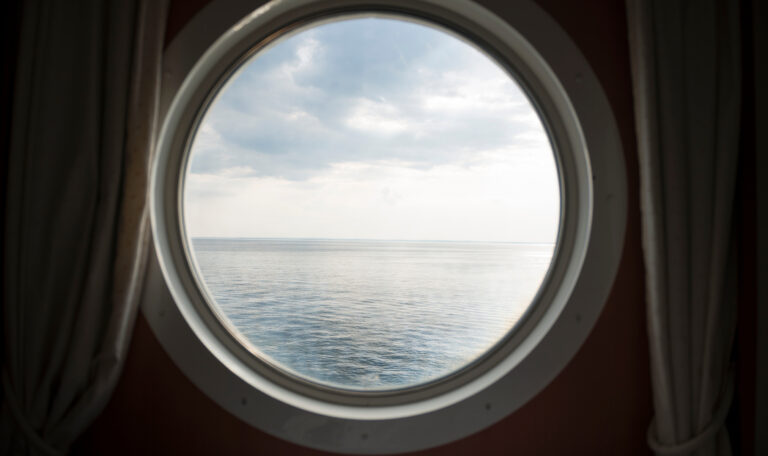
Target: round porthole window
pixel 383 225
pixel 372 203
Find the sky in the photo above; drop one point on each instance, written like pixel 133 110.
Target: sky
pixel 372 128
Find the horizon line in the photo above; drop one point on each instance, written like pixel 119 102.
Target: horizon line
pixel 259 238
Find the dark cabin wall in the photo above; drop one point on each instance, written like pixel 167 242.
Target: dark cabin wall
pixel 600 404
pixel 10 14
pixel 758 52
pixel 741 420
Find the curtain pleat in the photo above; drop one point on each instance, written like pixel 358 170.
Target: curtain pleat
pixel 85 114
pixel 686 76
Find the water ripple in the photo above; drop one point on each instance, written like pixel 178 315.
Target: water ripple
pixel 371 314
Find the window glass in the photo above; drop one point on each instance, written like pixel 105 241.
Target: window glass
pixel 371 203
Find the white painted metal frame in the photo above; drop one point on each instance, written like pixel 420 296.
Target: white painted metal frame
pixel 593 193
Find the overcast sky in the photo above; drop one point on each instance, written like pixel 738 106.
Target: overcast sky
pixel 372 129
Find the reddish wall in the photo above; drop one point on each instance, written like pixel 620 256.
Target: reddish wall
pixel 600 403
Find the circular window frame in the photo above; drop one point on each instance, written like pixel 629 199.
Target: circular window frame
pixel 201 298
pixel 547 64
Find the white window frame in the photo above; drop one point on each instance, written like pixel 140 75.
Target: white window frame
pixel 578 116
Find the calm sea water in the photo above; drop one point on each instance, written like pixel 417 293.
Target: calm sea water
pixel 371 314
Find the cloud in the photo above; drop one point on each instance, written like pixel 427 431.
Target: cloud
pixel 496 199
pixel 319 98
pixel 378 118
pixel 372 128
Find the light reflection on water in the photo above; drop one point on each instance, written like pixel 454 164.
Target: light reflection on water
pixel 371 315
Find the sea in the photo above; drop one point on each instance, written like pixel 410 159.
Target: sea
pixel 371 315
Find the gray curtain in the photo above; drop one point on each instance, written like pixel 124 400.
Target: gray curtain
pixel 686 75
pixel 84 119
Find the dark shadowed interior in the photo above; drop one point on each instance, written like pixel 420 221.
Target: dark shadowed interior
pixel 601 403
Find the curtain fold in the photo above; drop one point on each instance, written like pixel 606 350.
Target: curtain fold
pixel 76 235
pixel 685 59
